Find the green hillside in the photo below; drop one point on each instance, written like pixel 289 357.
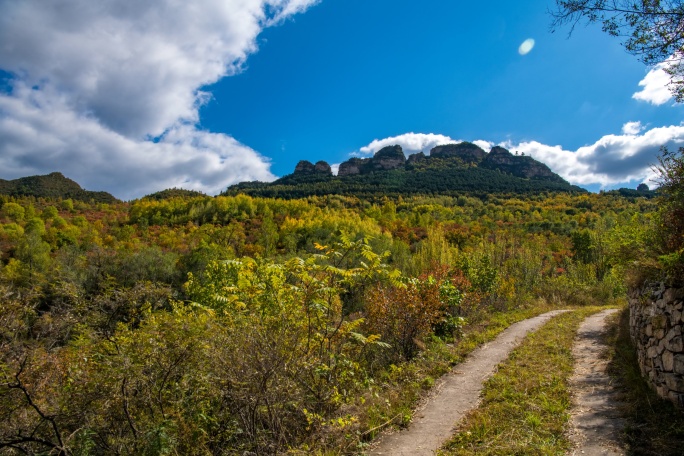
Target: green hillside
pixel 53 185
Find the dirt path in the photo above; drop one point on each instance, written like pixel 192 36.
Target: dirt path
pixel 595 426
pixel 455 394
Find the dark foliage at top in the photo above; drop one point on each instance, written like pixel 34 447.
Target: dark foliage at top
pixel 174 193
pixel 671 214
pixel 53 185
pixel 650 30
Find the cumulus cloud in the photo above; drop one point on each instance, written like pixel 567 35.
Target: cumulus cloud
pixel 655 90
pixel 612 160
pixel 411 143
pixel 632 128
pixel 41 134
pixel 118 85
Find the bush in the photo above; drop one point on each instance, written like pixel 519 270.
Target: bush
pixel 671 214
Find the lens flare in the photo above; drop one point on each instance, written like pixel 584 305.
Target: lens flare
pixel 526 46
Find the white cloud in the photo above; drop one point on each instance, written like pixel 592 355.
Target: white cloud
pixel 98 80
pixel 335 168
pixel 411 143
pixel 611 160
pixel 41 134
pixel 632 128
pixel 655 90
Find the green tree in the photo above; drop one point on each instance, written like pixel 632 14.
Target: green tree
pixel 671 228
pixel 650 29
pixel 13 211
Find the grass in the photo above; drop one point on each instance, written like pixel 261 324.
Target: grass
pixel 525 405
pixel 391 401
pixel 654 426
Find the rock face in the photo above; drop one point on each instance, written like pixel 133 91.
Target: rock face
pixel 467 152
pixel 520 166
pixel 352 166
pixel 416 158
pixel 322 167
pixel 306 167
pixel 387 158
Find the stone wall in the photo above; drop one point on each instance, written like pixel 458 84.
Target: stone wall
pixel 656 318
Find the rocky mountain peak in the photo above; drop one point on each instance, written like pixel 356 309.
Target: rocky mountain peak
pixel 390 157
pixel 306 167
pixel 467 152
pixel 517 165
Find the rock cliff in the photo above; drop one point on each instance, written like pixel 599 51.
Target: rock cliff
pixel 517 165
pixel 352 166
pixel 467 152
pixel 306 167
pixel 386 159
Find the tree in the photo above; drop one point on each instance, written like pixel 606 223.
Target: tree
pixel 652 30
pixel 671 227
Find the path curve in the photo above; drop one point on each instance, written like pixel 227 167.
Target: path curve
pixel 595 425
pixel 455 394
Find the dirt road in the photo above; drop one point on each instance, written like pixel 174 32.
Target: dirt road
pixel 455 394
pixel 595 425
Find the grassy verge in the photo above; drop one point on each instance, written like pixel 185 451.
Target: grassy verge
pixel 654 426
pixel 390 401
pixel 525 404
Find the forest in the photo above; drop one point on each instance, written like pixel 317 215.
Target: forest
pixel 190 324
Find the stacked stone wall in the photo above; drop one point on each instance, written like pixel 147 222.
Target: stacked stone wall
pixel 656 326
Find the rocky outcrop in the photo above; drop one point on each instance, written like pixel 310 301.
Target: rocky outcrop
pixel 517 165
pixel 352 166
pixel 387 158
pixel 415 158
pixel 656 324
pixel 392 157
pixel 322 167
pixel 306 167
pixel 467 152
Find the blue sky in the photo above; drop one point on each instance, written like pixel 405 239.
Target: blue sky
pixel 134 99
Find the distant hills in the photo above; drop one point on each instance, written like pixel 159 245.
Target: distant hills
pixel 53 185
pixel 448 170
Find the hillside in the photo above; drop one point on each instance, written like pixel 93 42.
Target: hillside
pixel 174 193
pixel 448 170
pixel 53 185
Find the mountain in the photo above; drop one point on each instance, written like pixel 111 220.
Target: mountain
pixel 450 169
pixel 174 193
pixel 53 185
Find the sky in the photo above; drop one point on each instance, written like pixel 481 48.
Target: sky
pixel 135 97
